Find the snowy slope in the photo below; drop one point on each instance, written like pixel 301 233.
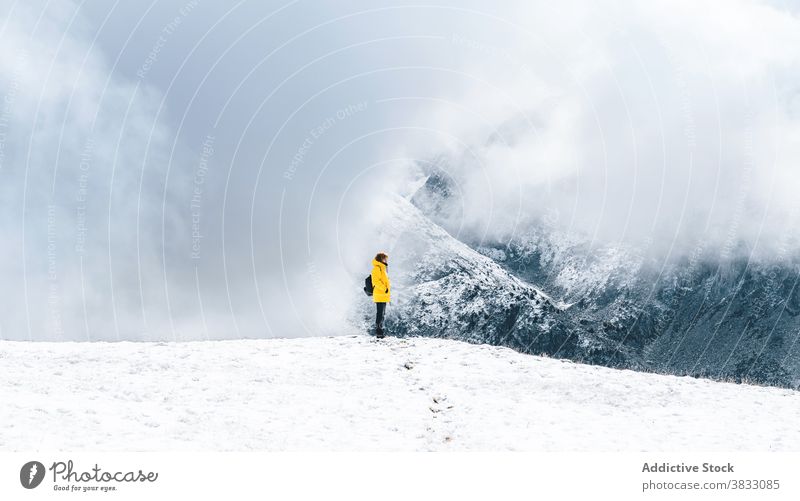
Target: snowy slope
pixel 355 393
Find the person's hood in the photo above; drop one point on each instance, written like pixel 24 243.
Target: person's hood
pixel 375 262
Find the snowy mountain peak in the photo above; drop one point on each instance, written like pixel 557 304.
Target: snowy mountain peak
pixel 443 288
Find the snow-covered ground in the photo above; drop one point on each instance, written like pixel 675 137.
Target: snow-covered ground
pixel 356 393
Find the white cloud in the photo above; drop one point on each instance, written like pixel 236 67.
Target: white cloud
pixel 633 120
pixel 82 183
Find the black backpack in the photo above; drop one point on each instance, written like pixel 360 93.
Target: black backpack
pixel 368 285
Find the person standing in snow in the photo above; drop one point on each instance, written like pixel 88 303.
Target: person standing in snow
pixel 380 289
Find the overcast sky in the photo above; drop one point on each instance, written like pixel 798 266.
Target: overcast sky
pixel 196 169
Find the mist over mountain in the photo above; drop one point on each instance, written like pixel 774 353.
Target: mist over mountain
pixel 552 292
pixel 609 181
pixel 640 174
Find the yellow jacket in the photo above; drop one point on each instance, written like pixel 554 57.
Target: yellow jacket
pixel 380 282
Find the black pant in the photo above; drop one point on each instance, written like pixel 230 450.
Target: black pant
pixel 379 318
